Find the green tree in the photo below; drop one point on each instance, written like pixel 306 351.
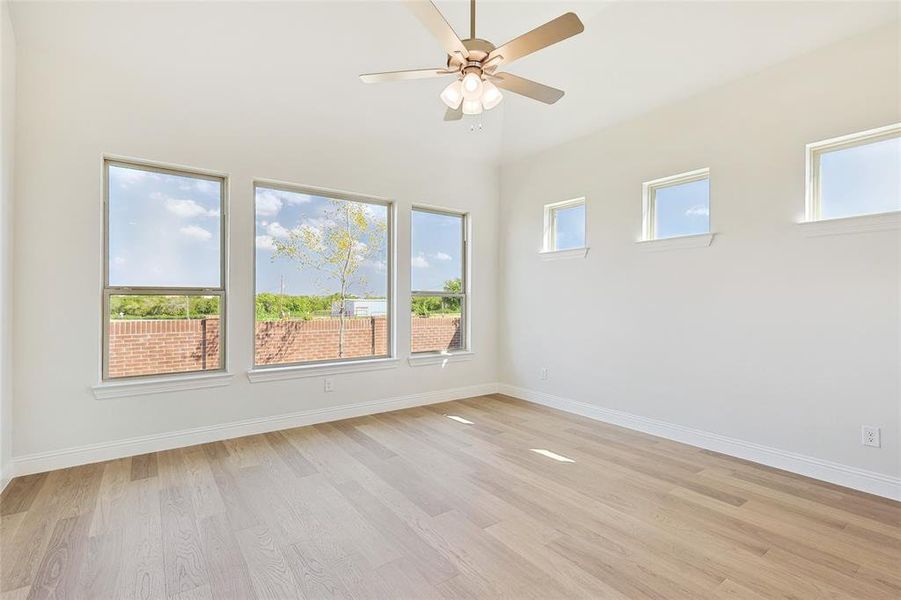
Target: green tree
pixel 453 286
pixel 347 238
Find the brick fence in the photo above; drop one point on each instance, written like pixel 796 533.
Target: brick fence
pixel 163 346
pixel 179 345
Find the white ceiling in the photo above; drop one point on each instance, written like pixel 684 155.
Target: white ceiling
pixel 291 68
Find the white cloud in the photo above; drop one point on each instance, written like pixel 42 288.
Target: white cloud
pixel 184 208
pixel 268 204
pixel 196 233
pixel 318 222
pixel 277 230
pixel 420 262
pixel 697 211
pixel 119 261
pixel 441 256
pixel 379 265
pixel 294 198
pixel 264 242
pixel 206 186
pixel 128 177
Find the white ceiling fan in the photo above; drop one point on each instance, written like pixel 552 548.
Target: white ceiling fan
pixel 475 62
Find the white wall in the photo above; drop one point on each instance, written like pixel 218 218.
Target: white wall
pixel 7 147
pixel 88 89
pixel 766 336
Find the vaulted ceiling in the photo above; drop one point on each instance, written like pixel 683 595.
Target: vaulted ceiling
pixel 291 68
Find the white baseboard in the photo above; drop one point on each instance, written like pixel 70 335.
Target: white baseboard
pixel 5 478
pixel 82 455
pixel 832 472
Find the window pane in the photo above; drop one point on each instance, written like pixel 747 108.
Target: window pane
pixel 436 251
pixel 164 230
pixel 570 227
pixel 321 278
pixel 682 209
pixel 155 334
pixel 437 323
pixel 861 180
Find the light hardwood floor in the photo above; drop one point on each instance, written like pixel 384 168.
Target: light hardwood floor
pixel 422 504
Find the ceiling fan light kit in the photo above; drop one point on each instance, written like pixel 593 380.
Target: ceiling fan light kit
pixel 475 62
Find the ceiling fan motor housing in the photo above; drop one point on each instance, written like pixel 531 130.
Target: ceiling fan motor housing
pixel 478 51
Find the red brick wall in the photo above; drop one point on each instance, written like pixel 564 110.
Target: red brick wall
pixel 430 334
pixel 298 341
pixel 178 345
pixel 163 346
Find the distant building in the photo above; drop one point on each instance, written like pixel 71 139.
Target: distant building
pixel 360 307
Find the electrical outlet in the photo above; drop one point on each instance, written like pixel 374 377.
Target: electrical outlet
pixel 542 374
pixel 870 436
pixel 329 385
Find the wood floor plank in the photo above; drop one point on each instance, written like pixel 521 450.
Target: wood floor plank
pixel 142 575
pixel 426 559
pixel 446 501
pixel 20 493
pixel 143 466
pixel 185 566
pixel 227 570
pixel 288 453
pixel 269 572
pixel 57 573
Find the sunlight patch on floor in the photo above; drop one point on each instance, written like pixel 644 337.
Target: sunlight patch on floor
pixel 553 455
pixel 459 419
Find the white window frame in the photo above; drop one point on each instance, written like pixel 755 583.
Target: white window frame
pixel 549 241
pixel 333 366
pixel 816 150
pixel 464 296
pixel 649 203
pixel 108 290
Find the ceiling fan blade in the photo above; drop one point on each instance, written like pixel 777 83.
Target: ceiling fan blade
pixel 526 87
pixel 454 115
pixel 429 15
pixel 557 30
pixel 405 75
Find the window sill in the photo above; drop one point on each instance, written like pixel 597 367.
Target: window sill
pixel 890 221
pixel 159 385
pixel 263 374
pixel 677 243
pixel 563 254
pixel 438 358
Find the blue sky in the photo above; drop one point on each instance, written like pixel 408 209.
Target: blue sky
pixel 861 180
pixel 683 209
pixel 436 249
pixel 278 212
pixel 570 224
pixel 163 229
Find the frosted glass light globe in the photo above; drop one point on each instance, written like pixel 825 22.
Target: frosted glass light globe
pixel 472 86
pixel 491 96
pixel 452 95
pixel 472 107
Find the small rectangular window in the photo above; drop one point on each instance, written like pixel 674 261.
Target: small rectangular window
pixel 858 174
pixel 564 225
pixel 164 271
pixel 676 206
pixel 438 278
pixel 323 280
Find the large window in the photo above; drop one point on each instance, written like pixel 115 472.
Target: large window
pixel 564 225
pixel 855 175
pixel 438 279
pixel 164 271
pixel 677 206
pixel 323 281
